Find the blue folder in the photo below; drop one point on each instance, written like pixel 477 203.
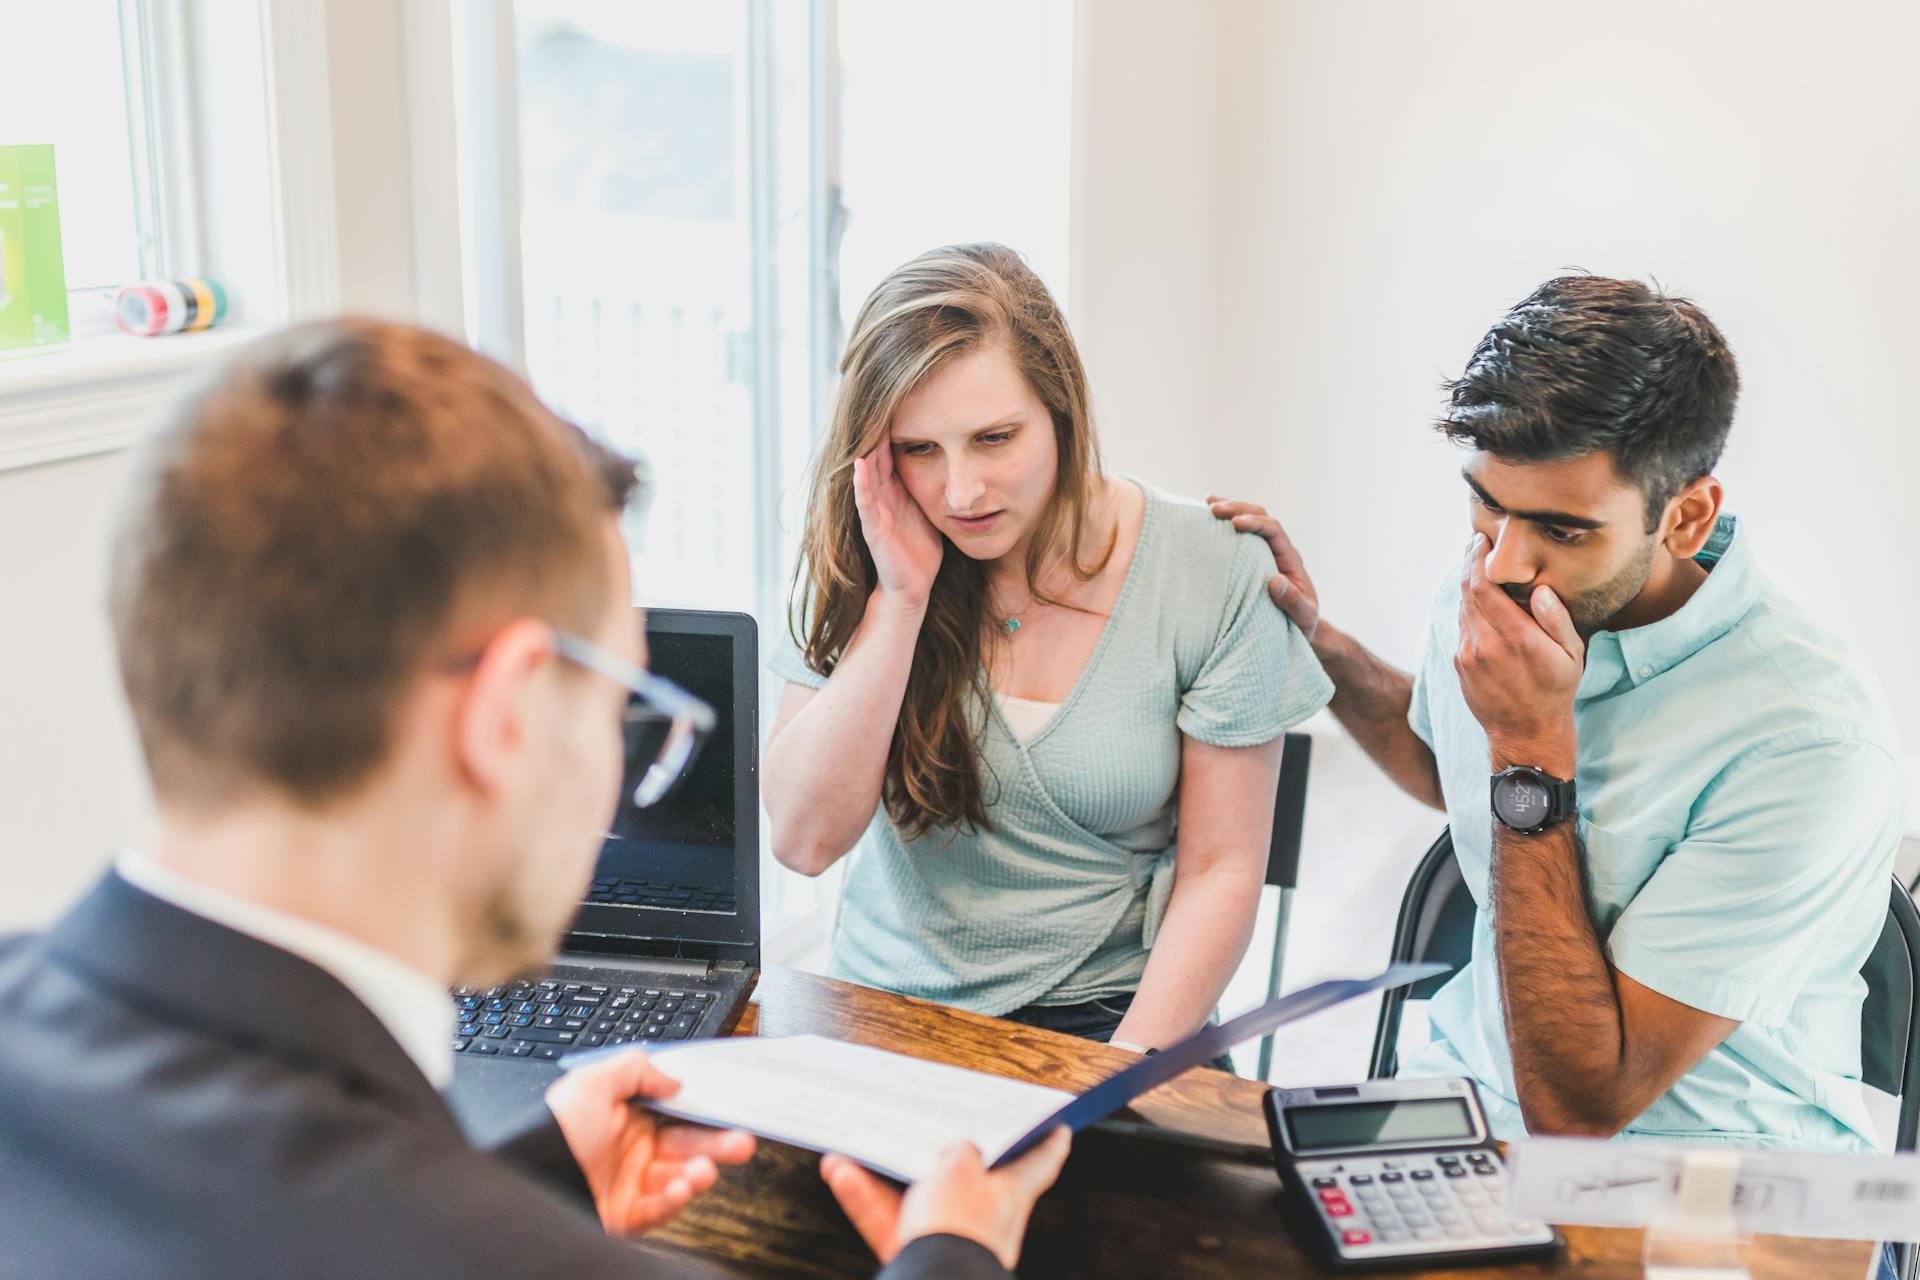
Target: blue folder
pixel 1116 1091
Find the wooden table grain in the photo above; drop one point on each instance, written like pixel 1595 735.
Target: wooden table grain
pixel 1124 1206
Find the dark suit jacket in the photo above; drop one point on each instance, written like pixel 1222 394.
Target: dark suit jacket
pixel 179 1101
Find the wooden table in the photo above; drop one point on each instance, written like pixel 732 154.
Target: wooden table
pixel 1124 1206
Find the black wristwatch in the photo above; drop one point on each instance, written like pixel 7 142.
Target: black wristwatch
pixel 1528 800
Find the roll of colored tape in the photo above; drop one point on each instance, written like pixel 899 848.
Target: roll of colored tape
pixel 202 300
pixel 176 310
pixel 213 301
pixel 171 306
pixel 141 310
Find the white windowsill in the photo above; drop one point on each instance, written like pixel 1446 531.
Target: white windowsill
pixel 100 394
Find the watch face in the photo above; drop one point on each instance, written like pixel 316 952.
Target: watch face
pixel 1521 801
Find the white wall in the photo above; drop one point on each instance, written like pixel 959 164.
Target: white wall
pixel 71 789
pixel 1141 259
pixel 1393 176
pixel 1294 218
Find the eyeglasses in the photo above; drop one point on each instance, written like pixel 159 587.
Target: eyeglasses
pixel 665 724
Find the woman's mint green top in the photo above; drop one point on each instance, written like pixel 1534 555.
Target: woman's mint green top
pixel 1060 901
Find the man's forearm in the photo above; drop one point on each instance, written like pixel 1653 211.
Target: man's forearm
pixel 1371 700
pixel 1563 1020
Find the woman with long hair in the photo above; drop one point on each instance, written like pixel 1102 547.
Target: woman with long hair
pixel 1044 703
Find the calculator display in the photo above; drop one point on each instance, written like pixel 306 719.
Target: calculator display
pixel 1361 1124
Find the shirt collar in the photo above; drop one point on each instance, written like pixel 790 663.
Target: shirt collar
pixel 409 1004
pixel 1643 653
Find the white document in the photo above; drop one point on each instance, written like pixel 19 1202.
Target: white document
pixel 890 1112
pixel 1635 1184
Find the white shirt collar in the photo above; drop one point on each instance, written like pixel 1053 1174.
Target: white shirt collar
pixel 411 1006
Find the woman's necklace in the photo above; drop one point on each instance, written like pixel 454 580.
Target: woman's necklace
pixel 1010 623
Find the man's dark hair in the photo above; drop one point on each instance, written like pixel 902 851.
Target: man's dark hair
pixel 1587 365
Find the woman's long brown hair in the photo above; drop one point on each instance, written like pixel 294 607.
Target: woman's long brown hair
pixel 941 305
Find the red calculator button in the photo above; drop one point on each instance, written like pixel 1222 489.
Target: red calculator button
pixel 1339 1209
pixel 1332 1195
pixel 1356 1237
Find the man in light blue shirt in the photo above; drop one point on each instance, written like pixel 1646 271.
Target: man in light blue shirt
pixel 1674 797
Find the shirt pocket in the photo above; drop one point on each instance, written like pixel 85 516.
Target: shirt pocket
pixel 1617 867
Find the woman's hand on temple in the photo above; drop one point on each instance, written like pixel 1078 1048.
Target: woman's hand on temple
pixel 906 547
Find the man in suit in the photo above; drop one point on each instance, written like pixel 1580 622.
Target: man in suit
pixel 344 596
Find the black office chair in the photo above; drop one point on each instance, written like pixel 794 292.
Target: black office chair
pixel 1283 860
pixel 1890 1033
pixel 1436 923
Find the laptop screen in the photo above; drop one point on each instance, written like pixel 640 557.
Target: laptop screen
pixel 679 868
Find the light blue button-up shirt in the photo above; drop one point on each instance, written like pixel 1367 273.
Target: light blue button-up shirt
pixel 1739 804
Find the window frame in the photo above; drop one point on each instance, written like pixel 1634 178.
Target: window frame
pixel 237 164
pixel 481 36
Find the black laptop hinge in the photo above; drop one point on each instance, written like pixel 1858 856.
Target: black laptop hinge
pixel 639 964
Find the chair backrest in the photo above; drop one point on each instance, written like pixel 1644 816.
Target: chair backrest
pixel 1890 1019
pixel 1289 812
pixel 1436 923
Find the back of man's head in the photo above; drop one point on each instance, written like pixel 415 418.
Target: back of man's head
pixel 1585 364
pixel 349 503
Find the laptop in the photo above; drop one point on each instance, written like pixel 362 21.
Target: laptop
pixel 666 944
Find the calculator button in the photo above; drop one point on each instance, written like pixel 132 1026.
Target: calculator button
pixel 1451 1220
pixel 1395 1235
pixel 1446 1160
pixel 1361 1179
pixel 1454 1171
pixel 1489 1224
pixel 1329 1194
pixel 1339 1209
pixel 1389 1177
pixel 1426 1233
pixel 1355 1237
pixel 1421 1175
pixel 1458 1233
pixel 1322 1184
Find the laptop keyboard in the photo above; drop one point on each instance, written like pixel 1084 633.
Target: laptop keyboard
pixel 619 892
pixel 544 1020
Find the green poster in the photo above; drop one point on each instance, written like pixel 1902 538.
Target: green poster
pixel 33 277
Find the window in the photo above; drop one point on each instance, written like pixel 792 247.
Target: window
pixel 649 291
pixel 652 219
pixel 84 91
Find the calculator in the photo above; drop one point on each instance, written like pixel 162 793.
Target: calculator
pixel 1395 1173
